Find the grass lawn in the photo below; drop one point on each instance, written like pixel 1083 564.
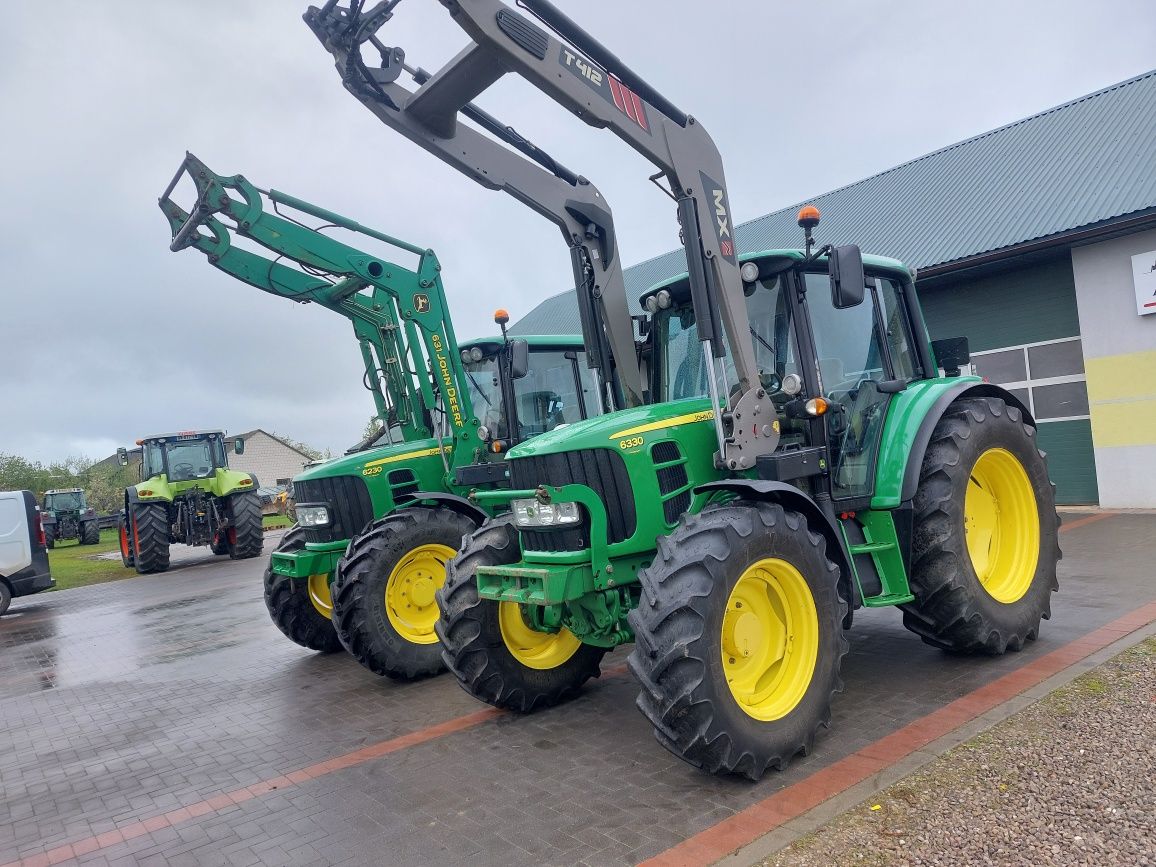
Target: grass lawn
pixel 276 522
pixel 75 565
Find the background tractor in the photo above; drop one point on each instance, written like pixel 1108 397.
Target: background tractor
pixel 189 496
pixel 798 455
pixel 66 515
pixel 376 527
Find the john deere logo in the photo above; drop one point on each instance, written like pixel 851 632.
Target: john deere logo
pixel 421 303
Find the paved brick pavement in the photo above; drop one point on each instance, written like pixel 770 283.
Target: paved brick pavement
pixel 164 720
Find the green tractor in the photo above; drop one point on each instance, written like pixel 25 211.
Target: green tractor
pixel 66 515
pixel 189 496
pixel 376 527
pixel 798 454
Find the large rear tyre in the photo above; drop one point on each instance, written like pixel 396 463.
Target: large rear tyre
pixel 739 638
pixel 985 544
pixel 150 526
pixel 90 533
pixel 127 555
pixel 245 536
pixel 488 645
pixel 383 594
pixel 301 607
pixel 5 598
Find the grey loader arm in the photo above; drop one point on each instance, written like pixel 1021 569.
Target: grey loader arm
pixel 428 116
pixel 571 67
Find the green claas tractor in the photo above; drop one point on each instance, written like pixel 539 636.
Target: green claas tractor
pixel 798 455
pixel 376 527
pixel 66 515
pixel 189 496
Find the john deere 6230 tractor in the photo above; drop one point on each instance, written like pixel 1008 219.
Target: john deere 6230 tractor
pixel 375 528
pixel 801 455
pixel 66 515
pixel 188 496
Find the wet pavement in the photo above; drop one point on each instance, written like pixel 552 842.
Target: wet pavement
pixel 164 720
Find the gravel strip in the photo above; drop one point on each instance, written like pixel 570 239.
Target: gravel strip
pixel 1067 781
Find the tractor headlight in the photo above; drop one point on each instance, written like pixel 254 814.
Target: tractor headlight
pixel 533 513
pixel 749 272
pixel 313 515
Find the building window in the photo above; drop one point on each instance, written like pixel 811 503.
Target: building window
pixel 1047 376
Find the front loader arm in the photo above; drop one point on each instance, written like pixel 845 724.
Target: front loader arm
pixel 586 78
pixel 335 277
pixel 511 164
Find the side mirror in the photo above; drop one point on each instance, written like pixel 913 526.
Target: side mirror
pixel 519 358
pixel 951 354
pixel 847 278
pixel 239 446
pixel 122 456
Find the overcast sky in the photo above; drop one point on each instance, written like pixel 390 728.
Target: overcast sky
pixel 105 335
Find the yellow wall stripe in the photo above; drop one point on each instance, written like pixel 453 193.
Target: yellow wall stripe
pixel 423 453
pixel 1122 399
pixel 689 418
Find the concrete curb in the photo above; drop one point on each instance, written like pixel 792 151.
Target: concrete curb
pixel 791 830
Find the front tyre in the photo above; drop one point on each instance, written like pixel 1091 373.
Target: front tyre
pixel 245 536
pixel 488 645
pixel 739 638
pixel 127 556
pixel 301 607
pixel 383 594
pixel 49 539
pixel 90 533
pixel 985 544
pixel 150 529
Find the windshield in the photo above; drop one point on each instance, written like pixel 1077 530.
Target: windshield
pixel 556 390
pixel 191 459
pixel 66 502
pixel 681 366
pixel 485 396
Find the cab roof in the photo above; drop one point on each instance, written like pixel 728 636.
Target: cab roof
pixel 65 491
pixel 570 341
pixel 789 257
pixel 183 433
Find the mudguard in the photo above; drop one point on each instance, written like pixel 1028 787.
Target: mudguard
pixel 935 413
pixel 452 502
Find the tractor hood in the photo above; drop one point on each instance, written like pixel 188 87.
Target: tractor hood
pixel 616 430
pixel 357 463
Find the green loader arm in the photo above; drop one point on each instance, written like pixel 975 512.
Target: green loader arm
pixel 402 325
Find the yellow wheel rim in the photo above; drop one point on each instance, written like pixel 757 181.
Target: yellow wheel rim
pixel 541 650
pixel 770 639
pixel 320 596
pixel 409 592
pixel 1002 523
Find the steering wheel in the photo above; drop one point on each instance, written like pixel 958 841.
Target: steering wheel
pixel 186 469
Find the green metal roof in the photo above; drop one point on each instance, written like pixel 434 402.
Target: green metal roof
pixel 1083 163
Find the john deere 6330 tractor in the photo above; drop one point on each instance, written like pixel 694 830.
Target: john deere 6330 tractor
pixel 375 528
pixel 188 496
pixel 800 455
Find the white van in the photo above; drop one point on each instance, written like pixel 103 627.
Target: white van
pixel 23 553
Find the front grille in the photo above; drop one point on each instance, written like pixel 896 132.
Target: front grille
pixel 602 470
pixel 348 500
pixel 403 485
pixel 670 479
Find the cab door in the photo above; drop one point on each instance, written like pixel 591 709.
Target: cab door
pixel 864 355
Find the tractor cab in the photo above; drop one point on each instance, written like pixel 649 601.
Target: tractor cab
pixel 522 387
pixel 70 500
pixel 184 456
pixel 828 367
